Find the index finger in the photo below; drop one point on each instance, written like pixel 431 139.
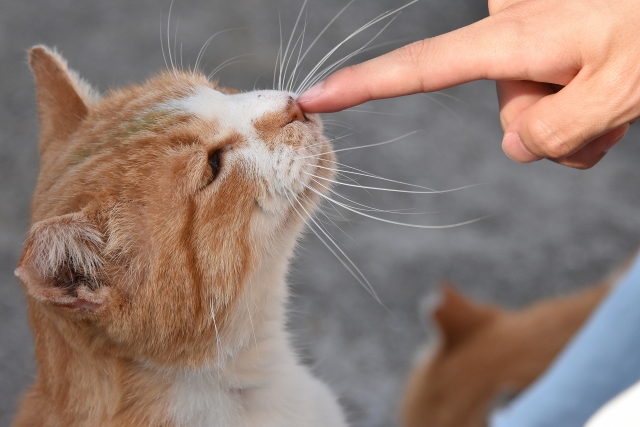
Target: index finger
pixel 493 48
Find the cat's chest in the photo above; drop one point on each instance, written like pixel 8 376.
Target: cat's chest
pixel 284 395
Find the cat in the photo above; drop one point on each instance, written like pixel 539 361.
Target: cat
pixel 163 220
pixel 485 355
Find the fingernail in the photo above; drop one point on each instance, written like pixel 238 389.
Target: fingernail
pixel 311 93
pixel 514 149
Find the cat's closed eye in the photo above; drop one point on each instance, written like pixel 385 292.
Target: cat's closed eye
pixel 215 164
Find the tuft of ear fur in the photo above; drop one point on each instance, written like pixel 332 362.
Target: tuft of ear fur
pixel 458 318
pixel 62 264
pixel 63 98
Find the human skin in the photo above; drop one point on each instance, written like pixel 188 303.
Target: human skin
pixel 567 73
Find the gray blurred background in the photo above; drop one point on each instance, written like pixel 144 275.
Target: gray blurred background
pixel 553 229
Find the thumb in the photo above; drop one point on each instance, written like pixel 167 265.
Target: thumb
pixel 561 124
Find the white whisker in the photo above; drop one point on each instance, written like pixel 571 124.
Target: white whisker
pixel 286 51
pixel 346 262
pixel 334 139
pixel 286 67
pixel 342 217
pixel 215 327
pixel 341 175
pixel 339 124
pixel 404 224
pixel 255 83
pixel 304 55
pixel 275 70
pixel 392 190
pixel 253 329
pixel 175 41
pixel 313 71
pixel 333 223
pixel 280 52
pixel 363 146
pixel 369 208
pixel 329 69
pixel 333 67
pixel 293 79
pixel 204 47
pixel 369 175
pixel 351 110
pixel 173 68
pixel 446 95
pixel 228 62
pixel 162 45
pixel 445 107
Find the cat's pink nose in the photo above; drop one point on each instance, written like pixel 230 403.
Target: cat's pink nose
pixel 295 112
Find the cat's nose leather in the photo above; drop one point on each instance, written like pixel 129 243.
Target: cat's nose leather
pixel 295 112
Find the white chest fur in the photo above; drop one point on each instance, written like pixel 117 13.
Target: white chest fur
pixel 288 395
pixel 257 381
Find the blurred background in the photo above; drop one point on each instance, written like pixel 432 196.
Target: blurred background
pixel 552 229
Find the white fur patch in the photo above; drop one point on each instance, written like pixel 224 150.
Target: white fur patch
pixel 283 168
pixel 257 381
pixel 206 103
pixel 238 111
pixel 291 397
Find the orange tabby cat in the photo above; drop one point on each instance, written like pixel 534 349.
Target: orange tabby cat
pixel 162 224
pixel 486 355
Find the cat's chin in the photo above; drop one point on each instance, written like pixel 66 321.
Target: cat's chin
pixel 290 215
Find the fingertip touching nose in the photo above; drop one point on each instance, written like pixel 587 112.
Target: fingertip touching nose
pixel 295 112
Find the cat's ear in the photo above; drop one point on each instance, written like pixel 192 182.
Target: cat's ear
pixel 458 318
pixel 62 263
pixel 63 98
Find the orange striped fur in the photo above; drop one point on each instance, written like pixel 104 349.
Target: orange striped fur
pixel 153 283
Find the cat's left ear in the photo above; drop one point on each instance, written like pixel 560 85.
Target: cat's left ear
pixel 62 263
pixel 459 318
pixel 63 97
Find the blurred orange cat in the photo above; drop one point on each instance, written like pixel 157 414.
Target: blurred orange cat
pixel 485 355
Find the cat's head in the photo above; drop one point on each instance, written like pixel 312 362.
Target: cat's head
pixel 157 204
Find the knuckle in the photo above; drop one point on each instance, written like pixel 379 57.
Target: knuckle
pixel 414 53
pixel 495 6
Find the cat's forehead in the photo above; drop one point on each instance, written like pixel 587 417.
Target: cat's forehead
pixel 171 109
pixel 240 110
pixel 208 103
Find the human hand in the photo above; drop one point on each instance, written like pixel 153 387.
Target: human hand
pixel 568 74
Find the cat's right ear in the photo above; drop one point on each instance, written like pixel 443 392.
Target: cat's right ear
pixel 62 263
pixel 63 98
